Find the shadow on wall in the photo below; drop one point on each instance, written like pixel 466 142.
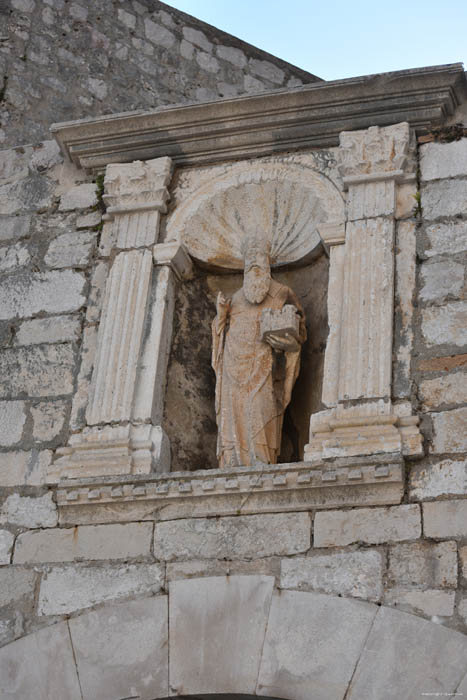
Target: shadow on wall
pixel 189 416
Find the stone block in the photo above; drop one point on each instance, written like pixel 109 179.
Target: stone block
pixel 196 37
pixel 232 55
pixel 312 645
pixel 24 468
pixel 158 34
pixel 6 546
pixel 441 160
pixel 445 478
pixel 45 155
pixel 13 164
pixel 217 628
pixel 28 511
pixel 88 542
pixel 70 250
pixel 445 324
pixel 68 588
pixel 79 197
pixel 425 564
pixel 12 419
pixel 450 431
pixel 14 227
pixel 38 370
pixel 207 62
pixel 13 256
pixel 241 537
pixel 48 419
pixel 126 18
pixel 336 528
pixel 446 239
pixel 447 390
pixel 441 279
pixel 33 193
pixel 445 519
pixel 90 220
pixel 16 583
pixel 56 329
pixel 429 658
pixel 54 292
pixel 267 70
pixel 121 650
pixel 432 603
pixel 463 562
pixel 358 574
pixel 26 670
pixel 444 198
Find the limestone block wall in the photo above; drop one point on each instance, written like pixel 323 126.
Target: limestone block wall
pixel 68 59
pixel 411 556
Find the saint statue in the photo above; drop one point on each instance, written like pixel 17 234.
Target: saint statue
pixel 257 337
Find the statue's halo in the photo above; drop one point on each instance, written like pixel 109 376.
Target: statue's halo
pixel 286 202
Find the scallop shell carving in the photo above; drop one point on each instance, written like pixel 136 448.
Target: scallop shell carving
pixel 285 203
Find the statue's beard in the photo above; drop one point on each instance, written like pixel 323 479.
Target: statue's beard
pixel 256 282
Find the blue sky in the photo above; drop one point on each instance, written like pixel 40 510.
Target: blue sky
pixel 337 39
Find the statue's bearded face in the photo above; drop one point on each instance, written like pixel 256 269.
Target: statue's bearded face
pixel 257 275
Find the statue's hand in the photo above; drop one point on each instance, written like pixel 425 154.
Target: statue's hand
pixel 222 305
pixel 284 343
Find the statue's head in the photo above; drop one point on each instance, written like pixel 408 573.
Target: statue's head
pixel 256 250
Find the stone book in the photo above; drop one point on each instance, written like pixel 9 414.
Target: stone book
pixel 283 322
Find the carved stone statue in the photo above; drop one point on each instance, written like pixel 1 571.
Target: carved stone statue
pixel 257 337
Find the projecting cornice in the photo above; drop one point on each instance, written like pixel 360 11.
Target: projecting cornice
pixel 309 116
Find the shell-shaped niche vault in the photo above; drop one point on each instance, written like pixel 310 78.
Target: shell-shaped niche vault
pixel 284 202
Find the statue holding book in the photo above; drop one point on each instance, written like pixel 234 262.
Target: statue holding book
pixel 257 337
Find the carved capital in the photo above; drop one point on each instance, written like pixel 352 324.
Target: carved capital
pixel 331 234
pixel 175 256
pixel 374 154
pixel 137 187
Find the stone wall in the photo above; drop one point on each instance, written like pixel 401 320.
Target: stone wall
pixel 412 556
pixel 63 60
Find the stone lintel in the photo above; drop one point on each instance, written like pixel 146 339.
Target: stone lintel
pixel 263 489
pixel 304 117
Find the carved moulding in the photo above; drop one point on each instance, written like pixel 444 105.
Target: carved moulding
pixel 287 203
pixel 360 418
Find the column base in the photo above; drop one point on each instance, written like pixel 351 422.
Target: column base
pixel 112 450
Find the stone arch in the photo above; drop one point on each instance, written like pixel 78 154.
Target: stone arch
pixel 236 635
pixel 288 202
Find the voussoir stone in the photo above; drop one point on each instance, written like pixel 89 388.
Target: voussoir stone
pixel 370 525
pixel 357 574
pixel 65 589
pixel 245 536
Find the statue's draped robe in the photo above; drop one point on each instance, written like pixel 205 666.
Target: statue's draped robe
pixel 254 384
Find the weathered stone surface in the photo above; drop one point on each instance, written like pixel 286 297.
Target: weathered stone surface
pixel 423 563
pixel 33 193
pixel 439 160
pixel 445 198
pixel 27 511
pixel 41 679
pixel 57 291
pixel 450 431
pixel 198 38
pixel 158 34
pixel 446 324
pixel 212 620
pixel 443 391
pixel 463 562
pixel 38 370
pixel 445 519
pixel 446 238
pixel 16 583
pixel 6 545
pixel 405 280
pixel 79 197
pixel 12 419
pixel 45 155
pixel 430 602
pixel 13 227
pixel 445 478
pixel 371 525
pixel 48 419
pixel 267 70
pixel 428 657
pixel 444 363
pixel 18 468
pixel 441 279
pixel 13 256
pixel 198 568
pixel 245 536
pixel 84 543
pixel 56 329
pixel 69 588
pixel 122 650
pixel 306 634
pixel 232 55
pixel 89 220
pixel 70 250
pixel 96 292
pixel 358 574
pixel 80 398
